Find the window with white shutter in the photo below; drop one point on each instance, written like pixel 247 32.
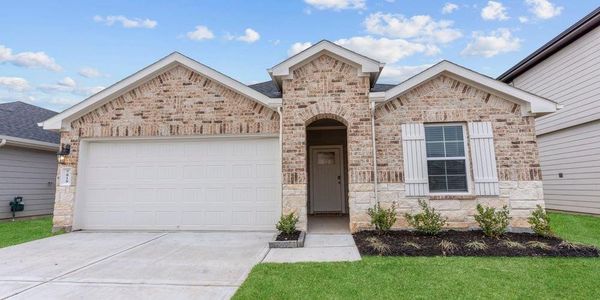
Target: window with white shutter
pixel 415 164
pixel 483 159
pixel 446 158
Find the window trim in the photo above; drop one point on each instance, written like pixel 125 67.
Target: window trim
pixel 467 159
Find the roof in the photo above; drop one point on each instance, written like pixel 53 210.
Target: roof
pixel 530 103
pixel 62 120
pixel 366 65
pixel 571 34
pixel 271 90
pixel 19 120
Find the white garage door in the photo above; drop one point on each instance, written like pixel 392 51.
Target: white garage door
pixel 202 184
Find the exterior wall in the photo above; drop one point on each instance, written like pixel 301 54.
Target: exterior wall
pixel 574 152
pixel 178 102
pixel 570 77
pixel 326 88
pixel 30 174
pixel 569 138
pixel 444 99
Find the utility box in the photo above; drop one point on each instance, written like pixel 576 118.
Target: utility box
pixel 16 205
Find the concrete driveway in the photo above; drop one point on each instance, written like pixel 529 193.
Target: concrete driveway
pixel 126 265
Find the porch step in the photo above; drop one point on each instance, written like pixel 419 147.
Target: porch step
pixel 318 248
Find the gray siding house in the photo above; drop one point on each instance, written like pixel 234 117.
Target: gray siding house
pixel 567 70
pixel 27 159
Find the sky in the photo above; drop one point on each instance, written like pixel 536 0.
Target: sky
pixel 55 54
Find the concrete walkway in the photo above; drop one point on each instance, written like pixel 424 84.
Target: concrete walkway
pixel 318 247
pixel 126 265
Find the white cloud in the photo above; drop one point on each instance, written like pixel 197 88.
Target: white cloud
pixel 126 22
pixel 298 47
pixel 494 11
pixel 28 59
pixel 497 42
pixel 201 33
pixel 420 27
pixel 336 4
pixel 544 9
pixel 397 74
pixel 14 83
pixel 384 49
pixel 523 19
pixel 449 8
pixel 250 36
pixel 88 72
pixel 69 85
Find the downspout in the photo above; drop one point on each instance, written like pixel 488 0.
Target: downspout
pixel 280 155
pixel 375 179
pixel 2 142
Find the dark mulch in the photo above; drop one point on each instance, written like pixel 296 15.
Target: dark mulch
pixel 288 237
pixel 408 243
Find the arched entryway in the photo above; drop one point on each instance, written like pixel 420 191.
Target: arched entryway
pixel 327 166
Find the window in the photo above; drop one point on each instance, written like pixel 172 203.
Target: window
pixel 446 159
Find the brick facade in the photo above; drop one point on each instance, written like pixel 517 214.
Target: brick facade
pixel 178 102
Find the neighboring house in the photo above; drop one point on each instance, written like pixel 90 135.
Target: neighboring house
pixel 179 145
pixel 567 70
pixel 27 159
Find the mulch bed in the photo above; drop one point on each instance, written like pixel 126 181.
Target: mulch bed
pixel 460 243
pixel 288 237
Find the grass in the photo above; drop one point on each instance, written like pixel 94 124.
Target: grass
pixel 21 231
pixel 430 277
pixel 576 228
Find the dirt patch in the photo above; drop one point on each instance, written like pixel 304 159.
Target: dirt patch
pixel 288 237
pixel 467 243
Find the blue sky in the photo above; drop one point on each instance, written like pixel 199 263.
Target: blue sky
pixel 56 53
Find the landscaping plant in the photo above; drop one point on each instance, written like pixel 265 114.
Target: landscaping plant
pixel 493 223
pixel 287 223
pixel 427 221
pixel 383 219
pixel 540 222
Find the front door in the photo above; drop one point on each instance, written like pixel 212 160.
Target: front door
pixel 326 179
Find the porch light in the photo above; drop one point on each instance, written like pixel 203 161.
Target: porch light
pixel 62 154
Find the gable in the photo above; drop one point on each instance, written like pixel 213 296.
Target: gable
pixel 182 98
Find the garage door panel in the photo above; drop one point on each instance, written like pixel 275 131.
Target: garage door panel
pixel 208 184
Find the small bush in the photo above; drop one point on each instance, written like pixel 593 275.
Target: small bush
pixel 428 221
pixel 476 245
pixel 492 222
pixel 540 222
pixel 539 245
pixel 287 223
pixel 383 219
pixel 570 246
pixel 448 247
pixel 512 244
pixel 411 245
pixel 378 245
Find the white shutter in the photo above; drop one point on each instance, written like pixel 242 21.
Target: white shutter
pixel 483 159
pixel 415 160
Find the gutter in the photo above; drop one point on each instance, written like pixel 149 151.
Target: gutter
pixel 27 143
pixel 375 179
pixel 2 143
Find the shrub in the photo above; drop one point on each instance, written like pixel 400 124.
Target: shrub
pixel 428 221
pixel 539 245
pixel 492 222
pixel 512 244
pixel 287 223
pixel 383 219
pixel 540 222
pixel 411 245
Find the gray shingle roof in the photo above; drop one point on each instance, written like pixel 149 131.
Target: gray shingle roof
pixel 19 119
pixel 269 89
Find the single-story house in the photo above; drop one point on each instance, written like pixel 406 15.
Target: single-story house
pixel 179 145
pixel 27 159
pixel 567 70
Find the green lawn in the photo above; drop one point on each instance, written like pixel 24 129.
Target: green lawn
pixel 439 277
pixel 21 231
